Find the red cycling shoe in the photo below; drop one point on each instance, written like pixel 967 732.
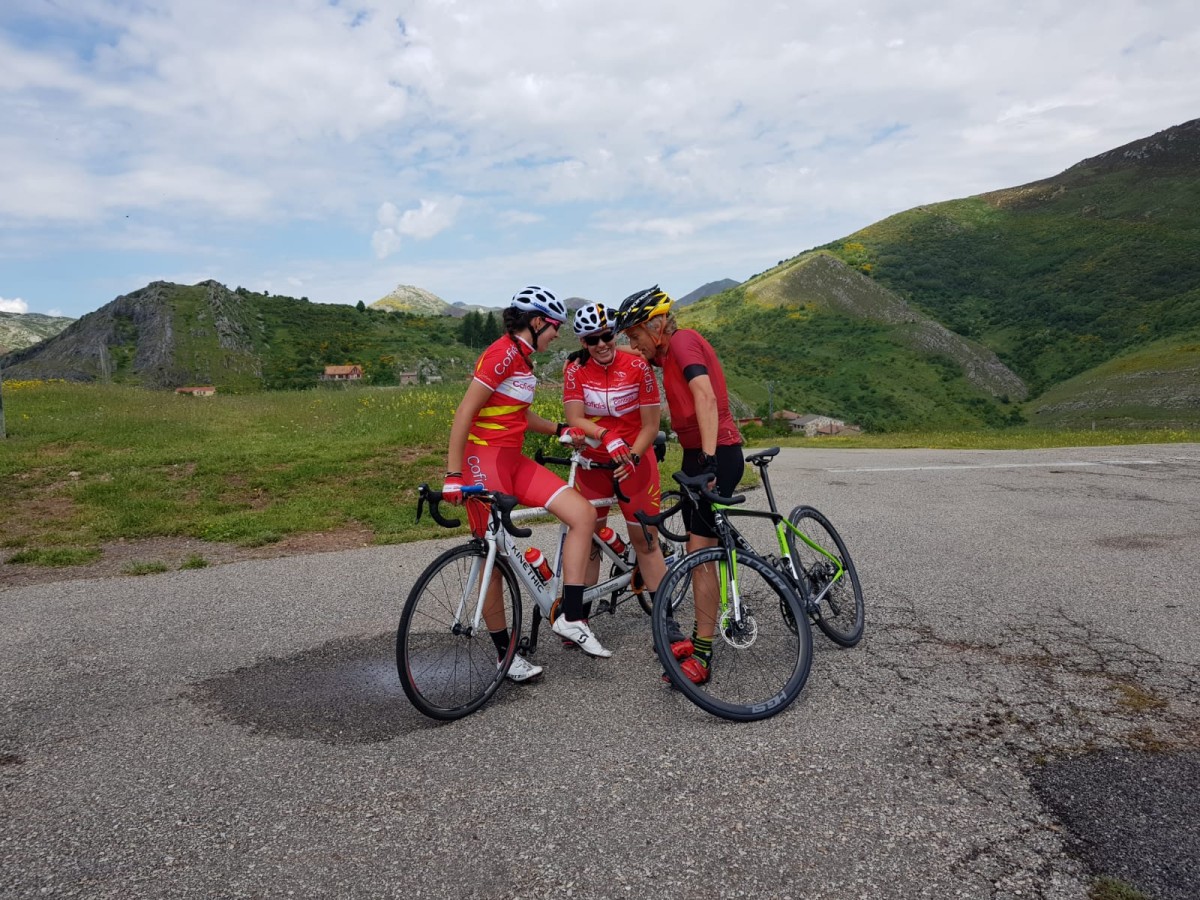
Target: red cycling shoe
pixel 682 649
pixel 696 672
pixel 692 668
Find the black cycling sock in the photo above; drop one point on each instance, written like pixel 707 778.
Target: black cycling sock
pixel 500 639
pixel 587 610
pixel 572 602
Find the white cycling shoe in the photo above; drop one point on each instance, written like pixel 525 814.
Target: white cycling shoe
pixel 522 669
pixel 581 634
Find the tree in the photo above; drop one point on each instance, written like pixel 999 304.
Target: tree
pixel 491 328
pixel 360 306
pixel 472 329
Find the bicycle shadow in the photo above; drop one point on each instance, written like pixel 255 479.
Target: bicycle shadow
pixel 342 692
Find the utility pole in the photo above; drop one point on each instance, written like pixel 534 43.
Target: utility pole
pixel 770 403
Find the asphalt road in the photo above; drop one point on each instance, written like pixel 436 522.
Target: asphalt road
pixel 1020 717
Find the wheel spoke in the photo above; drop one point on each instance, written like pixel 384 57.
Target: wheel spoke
pixel 446 674
pixel 839 613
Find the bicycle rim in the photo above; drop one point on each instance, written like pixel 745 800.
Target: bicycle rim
pixel 447 669
pixel 759 663
pixel 840 612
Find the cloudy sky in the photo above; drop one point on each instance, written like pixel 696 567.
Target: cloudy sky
pixel 336 149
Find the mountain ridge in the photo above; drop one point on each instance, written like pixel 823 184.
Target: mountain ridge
pixel 21 330
pixel 822 278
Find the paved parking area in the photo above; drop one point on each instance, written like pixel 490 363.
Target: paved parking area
pixel 1020 715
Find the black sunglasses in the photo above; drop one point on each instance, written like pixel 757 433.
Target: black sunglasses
pixel 593 339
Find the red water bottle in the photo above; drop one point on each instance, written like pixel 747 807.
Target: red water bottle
pixel 613 540
pixel 538 563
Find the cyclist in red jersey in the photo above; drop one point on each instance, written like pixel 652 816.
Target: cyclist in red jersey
pixel 694 382
pixel 485 443
pixel 611 395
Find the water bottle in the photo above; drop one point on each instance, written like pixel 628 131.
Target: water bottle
pixel 538 563
pixel 615 543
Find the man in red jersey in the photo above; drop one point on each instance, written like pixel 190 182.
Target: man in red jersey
pixel 700 416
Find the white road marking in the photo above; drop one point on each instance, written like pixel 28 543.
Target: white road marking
pixel 1046 465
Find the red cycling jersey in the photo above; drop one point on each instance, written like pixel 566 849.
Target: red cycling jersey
pixel 612 395
pixel 688 355
pixel 504 367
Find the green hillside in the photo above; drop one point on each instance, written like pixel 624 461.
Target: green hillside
pixel 815 337
pixel 1158 384
pixel 1060 275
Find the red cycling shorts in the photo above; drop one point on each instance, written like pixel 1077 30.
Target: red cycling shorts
pixel 504 469
pixel 641 488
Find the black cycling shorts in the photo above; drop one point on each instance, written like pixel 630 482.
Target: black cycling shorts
pixel 730 467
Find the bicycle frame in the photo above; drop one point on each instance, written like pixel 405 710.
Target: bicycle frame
pixel 544 593
pixel 733 540
pixel 785 552
pixel 782 525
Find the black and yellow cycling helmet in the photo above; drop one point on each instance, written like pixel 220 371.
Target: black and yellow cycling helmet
pixel 641 307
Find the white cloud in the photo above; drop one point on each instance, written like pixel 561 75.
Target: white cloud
pixel 427 220
pixel 13 306
pixel 521 217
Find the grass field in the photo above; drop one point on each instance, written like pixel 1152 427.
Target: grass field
pixel 86 464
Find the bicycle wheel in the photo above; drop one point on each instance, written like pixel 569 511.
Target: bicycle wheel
pixel 760 663
pixel 840 612
pixel 448 669
pixel 671 550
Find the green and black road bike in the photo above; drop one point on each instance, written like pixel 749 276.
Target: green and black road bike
pixel 760 606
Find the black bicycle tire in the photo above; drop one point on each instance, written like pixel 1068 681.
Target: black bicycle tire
pixel 404 666
pixel 841 637
pixel 767 706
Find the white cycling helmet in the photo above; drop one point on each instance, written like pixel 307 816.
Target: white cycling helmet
pixel 592 319
pixel 538 300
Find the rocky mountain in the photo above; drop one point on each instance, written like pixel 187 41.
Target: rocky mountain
pixel 706 290
pixel 170 335
pixel 155 335
pixel 418 301
pixel 19 330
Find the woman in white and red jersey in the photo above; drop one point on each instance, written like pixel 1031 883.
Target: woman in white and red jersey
pixel 485 444
pixel 611 395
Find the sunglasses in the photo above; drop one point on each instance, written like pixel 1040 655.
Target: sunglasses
pixel 593 339
pixel 553 323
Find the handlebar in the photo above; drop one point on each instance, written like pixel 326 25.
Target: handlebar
pixel 692 485
pixel 542 459
pixel 698 484
pixel 659 521
pixel 501 504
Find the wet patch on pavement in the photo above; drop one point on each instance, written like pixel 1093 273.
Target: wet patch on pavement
pixel 1131 816
pixel 342 692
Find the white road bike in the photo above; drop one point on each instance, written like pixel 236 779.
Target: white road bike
pixel 447 659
